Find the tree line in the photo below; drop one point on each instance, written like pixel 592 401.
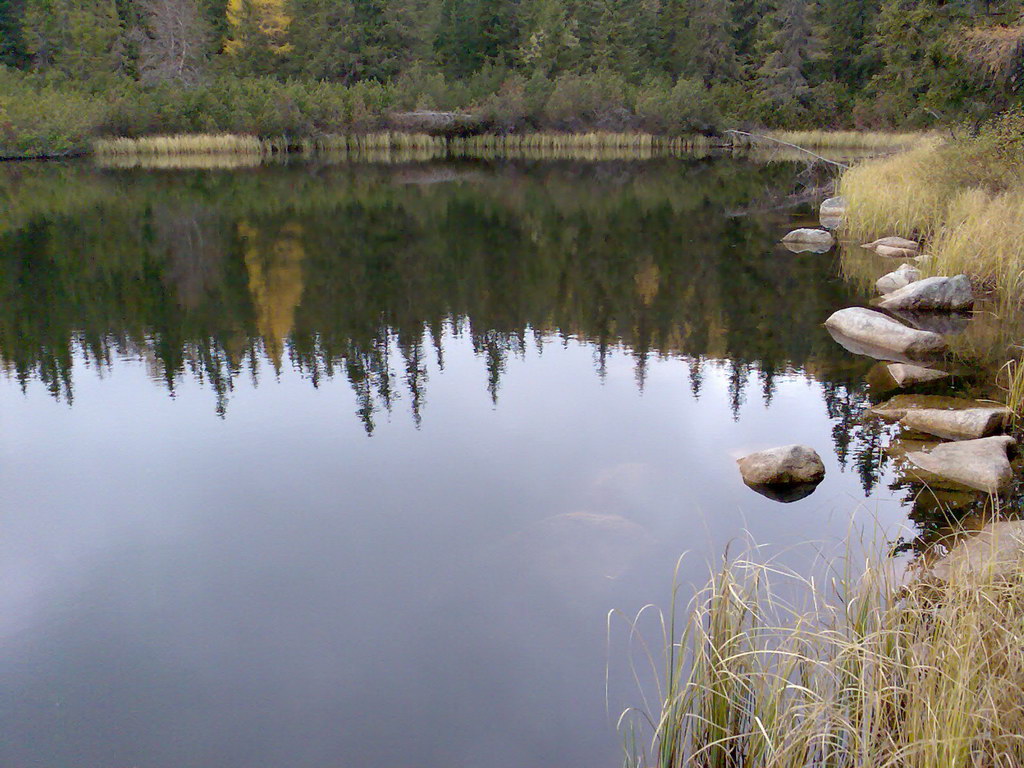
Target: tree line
pixel 561 63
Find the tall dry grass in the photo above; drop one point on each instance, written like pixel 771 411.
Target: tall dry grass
pixel 771 670
pixel 963 199
pixel 870 140
pixel 406 146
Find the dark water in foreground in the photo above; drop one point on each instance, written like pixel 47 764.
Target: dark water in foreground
pixel 337 466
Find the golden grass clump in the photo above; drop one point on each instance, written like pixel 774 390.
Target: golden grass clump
pixel 964 199
pixel 871 140
pixel 776 671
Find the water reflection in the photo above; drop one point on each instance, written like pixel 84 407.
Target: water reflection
pixel 423 436
pixel 326 269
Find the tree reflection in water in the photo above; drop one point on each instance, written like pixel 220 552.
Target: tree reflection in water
pixel 360 272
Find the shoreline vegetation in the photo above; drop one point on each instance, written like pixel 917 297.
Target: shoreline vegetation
pixel 875 666
pixel 915 664
pixel 626 144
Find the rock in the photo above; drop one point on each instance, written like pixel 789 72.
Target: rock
pixel 866 332
pixel 831 222
pixel 946 294
pixel 894 247
pixel 892 252
pixel 961 424
pixel 903 276
pixel 980 464
pixel 895 408
pixel 834 206
pixel 906 375
pixel 788 465
pixel 994 552
pixel 446 124
pixel 945 323
pixel 811 239
pixel 785 494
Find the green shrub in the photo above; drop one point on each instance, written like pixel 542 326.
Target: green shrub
pixel 38 119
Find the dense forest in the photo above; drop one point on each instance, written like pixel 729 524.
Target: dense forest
pixel 274 67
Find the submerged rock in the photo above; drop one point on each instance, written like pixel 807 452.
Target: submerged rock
pixel 994 552
pixel 831 222
pixel 907 375
pixel 818 240
pixel 945 323
pixel 981 464
pixel 959 424
pixel 895 408
pixel 902 276
pixel 866 332
pixel 786 466
pixel 894 247
pixel 947 294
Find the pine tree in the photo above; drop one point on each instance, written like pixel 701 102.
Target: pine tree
pixel 12 44
pixel 788 50
pixel 79 39
pixel 713 57
pixel 349 40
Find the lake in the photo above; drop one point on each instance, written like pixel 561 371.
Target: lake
pixel 322 464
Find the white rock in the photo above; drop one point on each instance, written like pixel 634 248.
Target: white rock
pixel 833 206
pixel 902 276
pixel 906 375
pixel 786 465
pixel 980 464
pixel 948 294
pixel 962 424
pixel 878 335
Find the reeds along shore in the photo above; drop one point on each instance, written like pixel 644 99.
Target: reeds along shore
pixel 873 671
pixel 591 145
pixel 412 145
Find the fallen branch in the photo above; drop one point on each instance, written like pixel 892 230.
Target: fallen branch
pixel 791 146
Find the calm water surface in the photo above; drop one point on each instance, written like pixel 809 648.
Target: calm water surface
pixel 346 465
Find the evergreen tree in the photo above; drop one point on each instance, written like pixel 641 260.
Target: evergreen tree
pixel 550 41
pixel 80 39
pixel 713 56
pixel 12 44
pixel 348 40
pixel 788 50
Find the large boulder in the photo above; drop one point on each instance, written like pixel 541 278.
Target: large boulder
pixel 901 277
pixel 780 468
pixel 817 240
pixel 946 294
pixel 981 464
pixel 866 332
pixel 834 206
pixel 962 424
pixel 907 375
pixel 894 247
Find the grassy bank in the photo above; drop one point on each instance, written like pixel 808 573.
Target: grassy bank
pixel 777 671
pixel 964 198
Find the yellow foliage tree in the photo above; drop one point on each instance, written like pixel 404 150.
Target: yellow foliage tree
pixel 260 24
